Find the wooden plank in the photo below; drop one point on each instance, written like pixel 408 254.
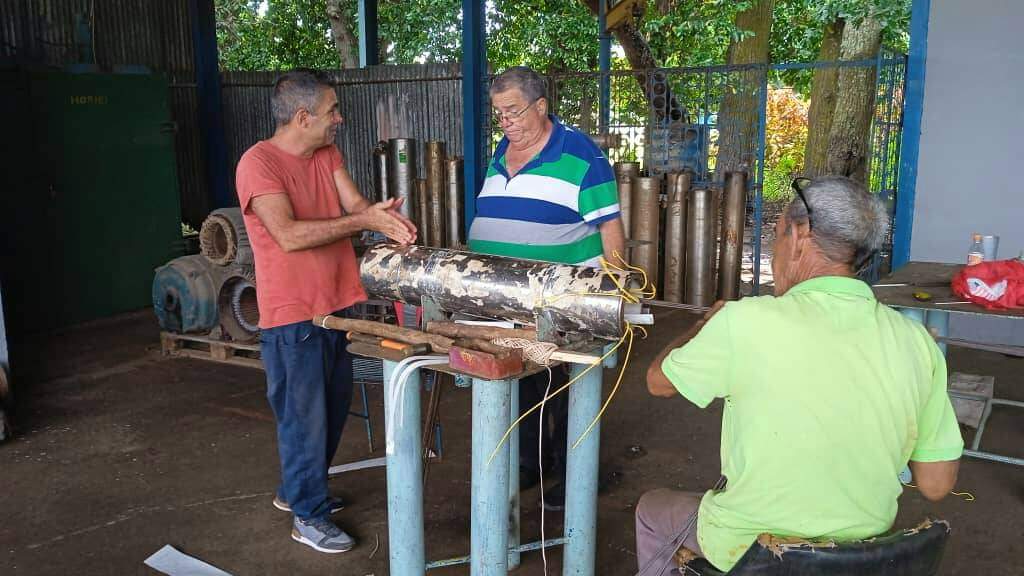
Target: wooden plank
pixel 210 349
pixel 934 278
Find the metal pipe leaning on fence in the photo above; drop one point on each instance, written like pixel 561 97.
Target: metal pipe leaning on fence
pixel 734 210
pixel 677 186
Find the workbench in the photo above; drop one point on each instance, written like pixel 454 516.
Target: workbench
pixel 897 290
pixel 494 532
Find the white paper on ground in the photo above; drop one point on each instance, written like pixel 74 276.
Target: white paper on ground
pixel 174 563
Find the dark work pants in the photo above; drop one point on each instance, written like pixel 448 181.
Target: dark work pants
pixel 309 386
pixel 556 416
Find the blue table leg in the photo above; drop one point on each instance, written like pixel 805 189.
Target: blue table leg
pixel 405 476
pixel 581 474
pixel 490 505
pixel 915 313
pixel 937 322
pixel 513 480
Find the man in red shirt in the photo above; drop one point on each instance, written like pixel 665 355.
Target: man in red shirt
pixel 301 207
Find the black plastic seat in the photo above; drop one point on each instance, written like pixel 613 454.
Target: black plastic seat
pixel 913 552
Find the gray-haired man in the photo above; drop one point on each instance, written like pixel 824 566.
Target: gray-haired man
pixel 828 395
pixel 300 208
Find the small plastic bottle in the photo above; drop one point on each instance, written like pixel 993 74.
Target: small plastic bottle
pixel 976 255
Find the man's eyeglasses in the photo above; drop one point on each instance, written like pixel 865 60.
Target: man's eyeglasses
pixel 799 185
pixel 510 117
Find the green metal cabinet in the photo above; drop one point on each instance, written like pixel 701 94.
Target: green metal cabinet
pixel 91 202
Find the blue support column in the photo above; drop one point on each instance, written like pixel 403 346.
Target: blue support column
pixel 913 111
pixel 762 123
pixel 513 480
pixel 211 117
pixel 369 50
pixel 604 60
pixel 474 71
pixel 914 313
pixel 405 476
pixel 489 501
pixel 581 474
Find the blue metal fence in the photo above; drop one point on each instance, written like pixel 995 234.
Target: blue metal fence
pixel 703 139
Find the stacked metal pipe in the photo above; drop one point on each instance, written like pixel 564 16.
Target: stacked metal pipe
pixel 676 192
pixel 702 216
pixel 433 203
pixel 645 222
pixel 625 172
pixel 730 257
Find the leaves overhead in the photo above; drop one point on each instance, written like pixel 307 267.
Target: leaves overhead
pixel 545 34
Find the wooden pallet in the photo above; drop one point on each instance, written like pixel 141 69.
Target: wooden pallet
pixel 204 348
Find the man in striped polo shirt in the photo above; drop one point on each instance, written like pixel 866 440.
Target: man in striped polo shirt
pixel 549 195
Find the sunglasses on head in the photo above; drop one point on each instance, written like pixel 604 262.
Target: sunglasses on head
pixel 862 258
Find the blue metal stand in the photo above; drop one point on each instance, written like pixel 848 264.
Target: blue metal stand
pixel 513 481
pixel 489 525
pixel 405 476
pixel 581 475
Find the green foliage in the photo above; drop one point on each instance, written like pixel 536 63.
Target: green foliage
pixel 420 30
pixel 289 34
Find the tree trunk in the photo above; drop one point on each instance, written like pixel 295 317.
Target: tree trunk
pixel 823 102
pixel 848 146
pixel 737 118
pixel 344 39
pixel 640 57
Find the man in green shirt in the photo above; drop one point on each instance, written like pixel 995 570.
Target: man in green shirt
pixel 828 395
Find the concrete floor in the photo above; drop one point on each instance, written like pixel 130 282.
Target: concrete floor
pixel 120 451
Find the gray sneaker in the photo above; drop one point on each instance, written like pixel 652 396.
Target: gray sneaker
pixel 337 504
pixel 323 535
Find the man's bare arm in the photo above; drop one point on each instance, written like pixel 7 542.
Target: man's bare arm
pixel 658 383
pixel 613 241
pixel 276 213
pixel 353 202
pixel 935 479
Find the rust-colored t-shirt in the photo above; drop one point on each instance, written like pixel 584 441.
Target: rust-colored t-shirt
pixel 295 286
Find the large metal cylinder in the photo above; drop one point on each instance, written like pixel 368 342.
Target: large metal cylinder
pixel 380 172
pixel 454 204
pixel 185 294
pixel 701 218
pixel 422 219
pixel 401 172
pixel 677 185
pixel 568 298
pixel 646 221
pixel 625 172
pixel 223 239
pixel 730 256
pixel 436 183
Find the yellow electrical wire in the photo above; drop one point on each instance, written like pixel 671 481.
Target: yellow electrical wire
pixel 552 395
pixel 647 291
pixel 967 496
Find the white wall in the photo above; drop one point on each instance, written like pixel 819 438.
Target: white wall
pixel 971 164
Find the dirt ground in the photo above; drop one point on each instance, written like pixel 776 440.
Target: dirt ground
pixel 120 451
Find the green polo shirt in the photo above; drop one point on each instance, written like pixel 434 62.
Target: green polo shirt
pixel 827 394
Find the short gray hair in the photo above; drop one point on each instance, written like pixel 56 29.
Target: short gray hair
pixel 294 90
pixel 847 222
pixel 522 78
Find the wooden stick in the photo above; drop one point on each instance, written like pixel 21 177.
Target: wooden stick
pixel 437 343
pixel 454 330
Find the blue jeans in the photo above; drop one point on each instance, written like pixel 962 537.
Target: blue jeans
pixel 309 385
